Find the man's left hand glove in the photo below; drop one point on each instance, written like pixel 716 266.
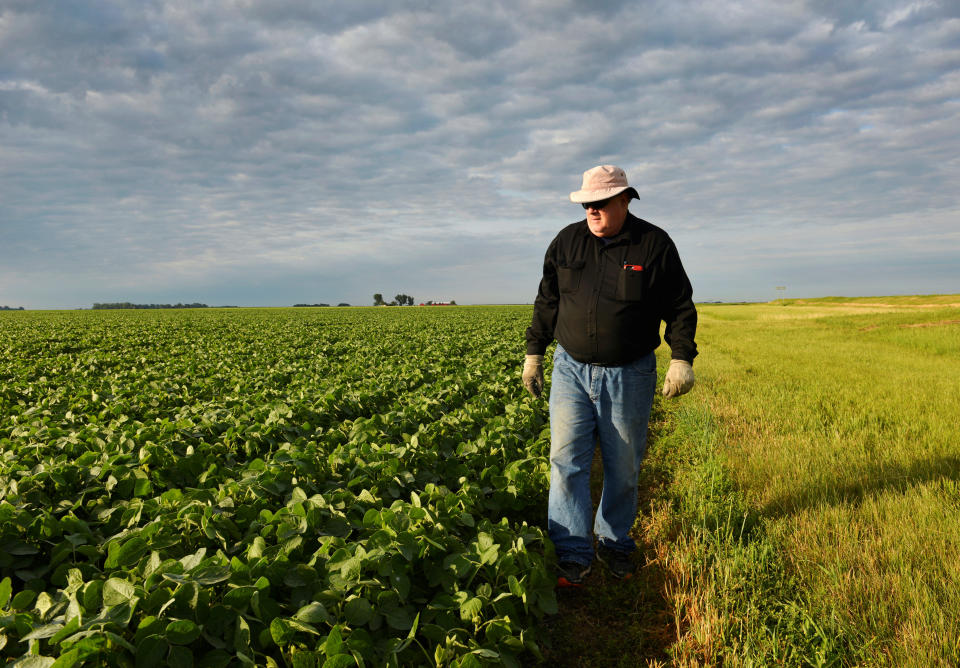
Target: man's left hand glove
pixel 679 379
pixel 533 374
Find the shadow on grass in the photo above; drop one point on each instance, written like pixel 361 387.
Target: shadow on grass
pixel 612 622
pixel 860 485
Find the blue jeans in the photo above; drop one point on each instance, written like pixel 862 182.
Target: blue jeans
pixel 590 405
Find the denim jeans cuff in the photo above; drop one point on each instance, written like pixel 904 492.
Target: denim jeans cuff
pixel 615 547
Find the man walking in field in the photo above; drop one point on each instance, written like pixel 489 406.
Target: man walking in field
pixel 608 282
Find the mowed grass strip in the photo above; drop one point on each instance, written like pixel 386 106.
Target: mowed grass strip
pixel 837 422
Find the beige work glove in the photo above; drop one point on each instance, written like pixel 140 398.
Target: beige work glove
pixel 679 379
pixel 533 374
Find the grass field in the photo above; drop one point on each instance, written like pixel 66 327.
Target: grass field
pixel 367 486
pixel 833 424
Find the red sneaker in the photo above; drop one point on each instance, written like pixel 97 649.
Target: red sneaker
pixel 571 574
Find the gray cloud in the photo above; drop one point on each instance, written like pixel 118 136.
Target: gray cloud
pixel 236 152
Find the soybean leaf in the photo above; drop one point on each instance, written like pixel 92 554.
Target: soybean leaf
pixel 210 574
pixel 334 642
pixel 305 660
pixel 45 631
pixel 216 658
pixel 182 632
pixel 5 590
pixel 19 548
pixel 282 631
pixel 486 653
pixel 43 604
pixel 68 659
pixel 358 611
pixel 118 641
pixel 117 614
pixel 117 591
pixel 470 609
pixel 350 569
pixel 148 626
pixel 245 660
pixel 515 587
pixel 34 661
pixel 398 618
pixel 301 626
pixel 313 613
pixel 238 598
pixel 241 636
pixel 130 552
pixel 191 561
pixel 490 554
pixel 470 661
pixel 23 599
pixel 70 627
pixel 180 657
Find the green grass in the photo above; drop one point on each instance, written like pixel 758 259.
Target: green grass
pixel 837 426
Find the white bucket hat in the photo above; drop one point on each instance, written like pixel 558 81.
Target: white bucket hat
pixel 602 183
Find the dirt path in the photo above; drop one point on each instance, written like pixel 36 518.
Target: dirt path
pixel 611 622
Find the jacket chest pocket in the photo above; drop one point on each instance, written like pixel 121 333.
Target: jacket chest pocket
pixel 568 277
pixel 630 285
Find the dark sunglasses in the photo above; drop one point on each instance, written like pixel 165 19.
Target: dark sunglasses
pixel 598 205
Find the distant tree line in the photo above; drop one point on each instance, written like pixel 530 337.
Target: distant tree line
pixel 119 305
pixel 317 305
pixel 11 308
pixel 399 300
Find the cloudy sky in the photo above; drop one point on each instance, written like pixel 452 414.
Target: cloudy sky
pixel 270 153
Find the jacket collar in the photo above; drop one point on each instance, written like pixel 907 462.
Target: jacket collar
pixel 630 232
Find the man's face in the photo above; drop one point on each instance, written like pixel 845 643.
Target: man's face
pixel 605 218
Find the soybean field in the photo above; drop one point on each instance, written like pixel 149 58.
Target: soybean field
pixel 270 487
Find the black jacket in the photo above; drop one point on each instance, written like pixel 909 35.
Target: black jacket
pixel 604 301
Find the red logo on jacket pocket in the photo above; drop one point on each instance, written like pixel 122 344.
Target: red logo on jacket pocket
pixel 633 267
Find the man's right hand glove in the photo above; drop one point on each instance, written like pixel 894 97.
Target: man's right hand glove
pixel 533 374
pixel 679 379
